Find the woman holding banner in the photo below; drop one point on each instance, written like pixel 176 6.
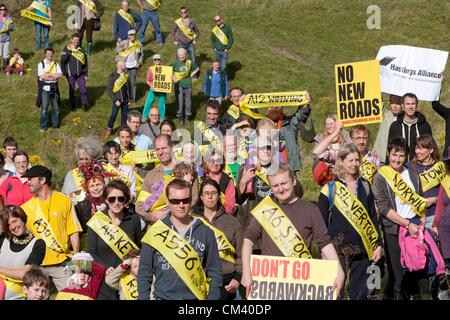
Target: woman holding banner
pixel 42 8
pixel 357 240
pixel 398 196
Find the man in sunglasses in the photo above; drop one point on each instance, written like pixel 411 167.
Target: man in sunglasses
pixel 187 32
pixel 172 267
pixel 221 41
pixel 6 26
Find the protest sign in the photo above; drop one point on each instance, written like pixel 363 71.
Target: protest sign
pixel 162 78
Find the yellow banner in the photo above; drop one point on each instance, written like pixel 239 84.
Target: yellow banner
pixel 358 92
pixel 181 75
pixel 280 229
pixel 368 170
pixel 13 285
pixel 233 111
pixel 40 7
pixel 128 17
pixel 154 3
pixel 402 190
pixel 190 34
pixel 90 5
pixel 220 35
pixel 5 27
pixel 118 175
pixel 162 200
pixel 120 82
pixel 287 278
pixel 139 157
pixel 274 99
pixel 129 50
pixel 71 296
pixel 181 256
pixel 112 234
pixel 79 56
pixel 433 176
pixel 35 17
pixel 128 283
pixel 356 214
pixel 162 78
pixel 41 227
pixel 215 141
pixel 226 250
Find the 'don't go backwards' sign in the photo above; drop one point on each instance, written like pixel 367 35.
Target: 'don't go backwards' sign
pixel 358 92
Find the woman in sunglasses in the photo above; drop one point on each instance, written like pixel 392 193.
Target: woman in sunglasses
pixel 211 210
pixel 114 232
pixel 152 95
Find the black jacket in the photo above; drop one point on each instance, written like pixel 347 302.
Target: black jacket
pixel 409 132
pixel 122 94
pixel 71 66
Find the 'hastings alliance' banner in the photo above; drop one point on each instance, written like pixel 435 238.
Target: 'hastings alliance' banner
pixel 406 69
pixel 288 278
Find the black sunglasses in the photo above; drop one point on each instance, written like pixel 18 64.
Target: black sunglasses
pixel 179 201
pixel 121 199
pixel 2 9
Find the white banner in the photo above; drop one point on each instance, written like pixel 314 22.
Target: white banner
pixel 411 69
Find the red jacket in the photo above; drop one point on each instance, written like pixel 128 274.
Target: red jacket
pixel 14 191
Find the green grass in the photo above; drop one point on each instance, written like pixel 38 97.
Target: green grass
pixel 279 46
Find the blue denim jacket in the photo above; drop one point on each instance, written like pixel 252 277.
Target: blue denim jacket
pixel 5 37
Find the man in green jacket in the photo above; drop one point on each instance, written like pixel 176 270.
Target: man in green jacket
pixel 221 41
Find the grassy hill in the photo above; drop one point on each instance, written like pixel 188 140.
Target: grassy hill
pixel 279 46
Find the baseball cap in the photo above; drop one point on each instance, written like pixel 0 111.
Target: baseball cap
pixel 156 56
pixel 38 171
pixel 131 31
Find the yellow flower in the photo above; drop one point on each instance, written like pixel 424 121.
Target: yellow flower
pixel 57 141
pixel 36 160
pixel 76 120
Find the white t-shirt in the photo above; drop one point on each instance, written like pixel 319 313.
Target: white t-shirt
pixel 404 209
pixel 41 72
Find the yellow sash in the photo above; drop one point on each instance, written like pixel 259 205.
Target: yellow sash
pixel 71 296
pixel 41 227
pixel 403 191
pixel 433 176
pixel 13 285
pixel 274 99
pixel 210 135
pixel 161 202
pixel 128 17
pixel 181 256
pixel 112 234
pixel 233 111
pixel 181 75
pixel 78 178
pixel 280 229
pixel 154 3
pixel 128 283
pixel 356 214
pixel 263 176
pixel 368 170
pixel 5 28
pixel 139 157
pixel 35 17
pixel 79 56
pixel 118 175
pixel 445 183
pixel 129 50
pixel 220 35
pixel 139 181
pixel 51 68
pixel 90 5
pixel 40 7
pixel 190 34
pixel 242 151
pixel 120 82
pixel 226 250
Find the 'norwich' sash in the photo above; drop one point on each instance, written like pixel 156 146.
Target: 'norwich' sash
pixel 112 234
pixel 210 135
pixel 433 176
pixel 90 5
pixel 120 82
pixel 154 3
pixel 181 75
pixel 129 50
pixel 5 27
pixel 128 17
pixel 226 250
pixel 368 170
pixel 190 34
pixel 13 285
pixel 79 56
pixel 280 229
pixel 71 296
pixel 356 214
pixel 181 256
pixel 35 17
pixel 128 283
pixel 403 191
pixel 275 99
pixel 220 35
